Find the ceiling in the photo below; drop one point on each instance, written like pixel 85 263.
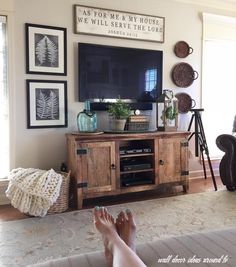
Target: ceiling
pixel 229 5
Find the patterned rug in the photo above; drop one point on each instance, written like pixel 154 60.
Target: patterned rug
pixel 38 239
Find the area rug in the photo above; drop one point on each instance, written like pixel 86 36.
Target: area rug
pixel 33 240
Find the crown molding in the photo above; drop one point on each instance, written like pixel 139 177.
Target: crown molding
pixel 229 5
pixel 219 19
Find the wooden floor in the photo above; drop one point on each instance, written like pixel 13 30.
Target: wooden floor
pixel 7 212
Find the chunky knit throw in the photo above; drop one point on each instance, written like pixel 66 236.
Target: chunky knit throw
pixel 33 191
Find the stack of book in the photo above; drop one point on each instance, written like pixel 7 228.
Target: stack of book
pixel 138 123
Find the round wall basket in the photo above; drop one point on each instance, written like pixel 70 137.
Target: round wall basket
pixel 182 49
pixel 183 75
pixel 185 102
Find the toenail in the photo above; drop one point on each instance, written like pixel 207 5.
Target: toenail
pixel 97 208
pixel 128 211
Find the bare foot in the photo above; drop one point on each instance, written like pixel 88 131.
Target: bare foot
pixel 120 253
pixel 104 223
pixel 126 228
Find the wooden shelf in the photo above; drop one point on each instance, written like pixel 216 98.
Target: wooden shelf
pixel 137 171
pixel 136 155
pixel 138 188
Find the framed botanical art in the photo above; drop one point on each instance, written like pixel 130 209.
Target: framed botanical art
pixel 46 49
pixel 46 104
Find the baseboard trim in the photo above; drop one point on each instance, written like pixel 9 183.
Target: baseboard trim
pixel 3 187
pixel 200 173
pixel 4 200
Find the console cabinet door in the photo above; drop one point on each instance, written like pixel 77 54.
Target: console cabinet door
pixel 96 166
pixel 173 160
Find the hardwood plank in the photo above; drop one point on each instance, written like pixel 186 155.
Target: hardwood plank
pixel 8 213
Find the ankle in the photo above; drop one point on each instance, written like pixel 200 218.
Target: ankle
pixel 114 241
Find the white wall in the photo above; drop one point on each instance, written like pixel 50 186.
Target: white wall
pixel 6 5
pixel 46 148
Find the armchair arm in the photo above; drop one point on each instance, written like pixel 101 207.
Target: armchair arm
pixel 227 143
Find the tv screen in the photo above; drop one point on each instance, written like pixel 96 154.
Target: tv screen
pixel 108 72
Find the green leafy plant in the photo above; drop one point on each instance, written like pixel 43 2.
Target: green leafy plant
pixel 119 109
pixel 171 113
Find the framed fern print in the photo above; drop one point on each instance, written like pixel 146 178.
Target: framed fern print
pixel 46 104
pixel 46 49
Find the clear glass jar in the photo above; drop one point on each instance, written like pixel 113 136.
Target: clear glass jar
pixel 87 119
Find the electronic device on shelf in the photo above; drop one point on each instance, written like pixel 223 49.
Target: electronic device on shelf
pixel 134 164
pixel 131 151
pixel 128 151
pixel 135 167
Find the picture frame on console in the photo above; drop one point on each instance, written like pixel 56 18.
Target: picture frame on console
pixel 46 104
pixel 46 49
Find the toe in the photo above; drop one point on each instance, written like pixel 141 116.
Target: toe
pixel 96 213
pixel 106 214
pixel 103 213
pixel 122 217
pixel 130 216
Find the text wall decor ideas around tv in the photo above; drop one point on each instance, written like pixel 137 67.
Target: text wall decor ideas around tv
pixel 106 22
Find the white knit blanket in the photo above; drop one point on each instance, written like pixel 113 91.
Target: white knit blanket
pixel 33 191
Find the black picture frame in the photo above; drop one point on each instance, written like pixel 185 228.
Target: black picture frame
pixel 46 49
pixel 46 104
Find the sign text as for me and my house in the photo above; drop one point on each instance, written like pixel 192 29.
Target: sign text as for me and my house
pixel 105 22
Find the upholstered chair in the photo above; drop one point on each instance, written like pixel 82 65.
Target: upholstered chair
pixel 227 167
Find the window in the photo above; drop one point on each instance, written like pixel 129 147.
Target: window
pixel 4 107
pixel 219 71
pixel 150 80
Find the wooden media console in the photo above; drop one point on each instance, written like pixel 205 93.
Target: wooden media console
pixel 111 164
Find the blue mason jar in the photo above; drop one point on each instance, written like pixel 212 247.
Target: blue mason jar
pixel 87 119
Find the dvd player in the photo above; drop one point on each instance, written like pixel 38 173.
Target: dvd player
pixel 133 151
pixel 124 151
pixel 135 167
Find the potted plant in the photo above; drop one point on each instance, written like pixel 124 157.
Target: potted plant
pixel 119 112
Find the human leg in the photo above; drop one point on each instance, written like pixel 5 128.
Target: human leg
pixel 123 256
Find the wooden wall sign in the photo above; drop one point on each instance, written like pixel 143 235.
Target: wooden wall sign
pixel 106 22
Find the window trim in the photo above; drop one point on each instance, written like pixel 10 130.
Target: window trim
pixel 11 88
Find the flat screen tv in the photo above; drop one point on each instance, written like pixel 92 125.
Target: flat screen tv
pixel 109 72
